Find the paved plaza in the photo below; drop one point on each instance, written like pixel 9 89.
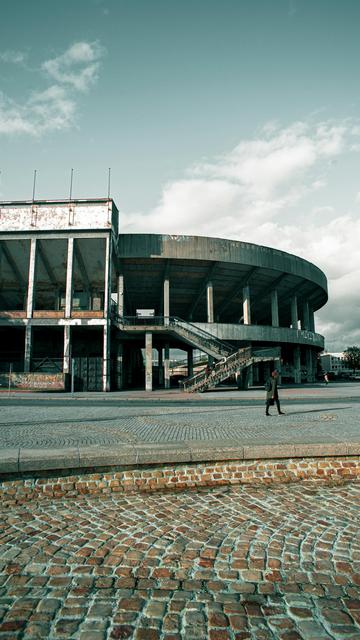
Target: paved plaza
pixel 39 431
pixel 223 563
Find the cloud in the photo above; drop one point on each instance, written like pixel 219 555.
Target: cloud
pixel 13 57
pixel 263 191
pixel 78 66
pixel 52 109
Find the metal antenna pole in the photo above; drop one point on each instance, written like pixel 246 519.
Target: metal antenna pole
pixel 71 183
pixel 109 180
pixel 34 185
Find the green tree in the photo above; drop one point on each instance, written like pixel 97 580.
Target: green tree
pixel 352 357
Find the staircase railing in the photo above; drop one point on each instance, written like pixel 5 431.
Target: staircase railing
pixel 228 366
pixel 199 337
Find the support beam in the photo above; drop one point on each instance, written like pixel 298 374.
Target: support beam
pixel 274 308
pixel 190 363
pixel 305 320
pixel 13 266
pixel 294 312
pixel 166 299
pixel 120 295
pixel 246 305
pixel 160 366
pixel 82 268
pixel 210 302
pixel 297 365
pixel 31 281
pixel 107 283
pixel 236 292
pixel 201 290
pixel 28 348
pixel 119 366
pixel 311 320
pixel 309 365
pixel 167 367
pixel 69 278
pixel 148 362
pixel 44 259
pixel 67 349
pixel 106 357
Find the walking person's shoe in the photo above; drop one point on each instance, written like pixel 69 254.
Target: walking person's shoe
pixel 281 413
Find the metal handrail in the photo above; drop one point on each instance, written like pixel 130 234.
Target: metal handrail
pixel 204 337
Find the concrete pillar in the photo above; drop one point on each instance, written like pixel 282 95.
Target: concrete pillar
pixel 309 365
pixel 119 366
pixel 148 361
pixel 106 357
pixel 31 280
pixel 160 366
pixel 210 302
pixel 190 363
pixel 120 295
pixel 67 349
pixel 246 305
pixel 297 365
pixel 167 367
pixel 107 282
pixel 166 301
pixel 294 313
pixel 274 308
pixel 28 348
pixel 305 316
pixel 69 278
pixel 311 320
pixel 250 375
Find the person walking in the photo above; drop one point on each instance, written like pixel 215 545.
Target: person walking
pixel 272 395
pixel 326 378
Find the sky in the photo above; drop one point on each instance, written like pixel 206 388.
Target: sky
pixel 226 118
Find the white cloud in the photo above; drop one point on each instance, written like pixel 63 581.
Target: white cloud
pixel 78 66
pixel 256 193
pixel 13 57
pixel 54 108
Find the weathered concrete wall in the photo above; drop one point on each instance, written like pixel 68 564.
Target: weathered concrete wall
pixel 218 249
pixel 34 381
pixel 258 333
pixel 58 216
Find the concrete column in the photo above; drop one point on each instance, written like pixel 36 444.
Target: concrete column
pixel 148 361
pixel 297 365
pixel 167 367
pixel 120 295
pixel 246 305
pixel 309 365
pixel 28 348
pixel 119 366
pixel 31 280
pixel 210 302
pixel 294 313
pixel 67 349
pixel 190 363
pixel 106 357
pixel 166 305
pixel 274 308
pixel 69 278
pixel 250 375
pixel 107 283
pixel 305 316
pixel 160 366
pixel 311 320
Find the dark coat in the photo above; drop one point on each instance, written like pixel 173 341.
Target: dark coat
pixel 273 390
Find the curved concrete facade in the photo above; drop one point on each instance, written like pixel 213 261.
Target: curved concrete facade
pixel 241 293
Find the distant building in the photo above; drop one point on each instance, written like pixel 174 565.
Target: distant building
pixel 335 363
pixel 79 299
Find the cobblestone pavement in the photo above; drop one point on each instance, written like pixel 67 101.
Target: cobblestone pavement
pixel 313 415
pixel 280 562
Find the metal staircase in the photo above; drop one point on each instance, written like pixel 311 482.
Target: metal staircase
pixel 224 369
pixel 190 333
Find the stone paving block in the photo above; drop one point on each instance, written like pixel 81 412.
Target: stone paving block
pixel 96 456
pixel 269 451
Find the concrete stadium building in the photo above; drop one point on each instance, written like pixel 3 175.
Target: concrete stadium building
pixel 81 301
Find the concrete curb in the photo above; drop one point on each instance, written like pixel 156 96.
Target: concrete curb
pixel 24 460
